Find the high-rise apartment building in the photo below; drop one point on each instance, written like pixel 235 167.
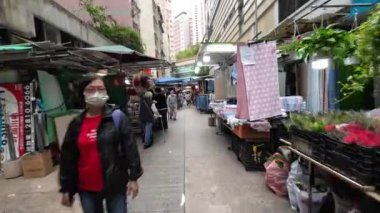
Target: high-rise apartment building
pixel 135 10
pixel 198 20
pixel 182 32
pixel 151 29
pixel 119 10
pixel 243 20
pixel 166 10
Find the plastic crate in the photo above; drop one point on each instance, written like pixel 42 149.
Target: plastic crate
pixel 253 155
pixel 236 145
pixel 314 137
pixel 365 175
pixel 339 161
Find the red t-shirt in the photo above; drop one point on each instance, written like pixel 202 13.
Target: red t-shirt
pixel 89 166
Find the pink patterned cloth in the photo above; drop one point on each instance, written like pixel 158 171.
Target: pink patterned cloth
pixel 261 83
pixel 241 91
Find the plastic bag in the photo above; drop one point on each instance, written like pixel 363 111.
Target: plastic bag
pixel 303 200
pixel 277 171
pixel 294 175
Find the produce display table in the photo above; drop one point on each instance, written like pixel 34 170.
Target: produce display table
pixel 249 145
pixel 368 190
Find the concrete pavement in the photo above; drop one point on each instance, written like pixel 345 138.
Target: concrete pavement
pixel 192 171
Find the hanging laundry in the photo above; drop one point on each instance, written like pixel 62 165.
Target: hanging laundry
pixel 261 82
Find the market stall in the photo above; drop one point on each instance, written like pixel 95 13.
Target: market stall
pixel 344 146
pixel 324 159
pixel 241 104
pixel 334 161
pixel 33 120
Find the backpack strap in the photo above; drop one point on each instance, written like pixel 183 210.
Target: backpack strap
pixel 116 116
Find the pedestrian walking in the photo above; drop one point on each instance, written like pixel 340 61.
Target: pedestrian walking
pixel 188 98
pixel 162 106
pixel 147 118
pixel 172 104
pixel 99 158
pixel 180 99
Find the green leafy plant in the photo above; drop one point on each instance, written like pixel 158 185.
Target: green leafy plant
pixel 290 46
pixel 334 43
pixel 367 37
pixel 110 29
pixel 188 53
pixel 204 71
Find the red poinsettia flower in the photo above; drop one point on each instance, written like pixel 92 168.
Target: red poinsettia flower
pixel 329 128
pixel 350 139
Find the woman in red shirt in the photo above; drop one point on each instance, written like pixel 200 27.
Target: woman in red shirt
pixel 99 155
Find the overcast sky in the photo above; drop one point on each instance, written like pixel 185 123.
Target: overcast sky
pixel 179 6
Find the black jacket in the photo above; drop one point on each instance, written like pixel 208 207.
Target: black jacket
pixel 118 153
pixel 161 101
pixel 146 113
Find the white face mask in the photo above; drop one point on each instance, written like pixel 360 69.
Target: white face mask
pixel 96 99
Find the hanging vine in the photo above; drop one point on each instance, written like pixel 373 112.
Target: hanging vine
pixel 368 52
pixel 364 43
pixel 110 29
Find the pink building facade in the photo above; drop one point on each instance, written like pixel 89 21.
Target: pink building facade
pixel 119 10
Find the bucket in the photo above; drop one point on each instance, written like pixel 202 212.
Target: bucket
pixel 211 121
pixel 12 169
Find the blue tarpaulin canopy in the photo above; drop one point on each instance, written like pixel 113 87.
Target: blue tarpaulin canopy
pixel 168 80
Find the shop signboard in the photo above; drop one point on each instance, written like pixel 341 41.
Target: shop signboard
pixel 28 118
pixel 359 9
pixel 13 108
pixel 147 71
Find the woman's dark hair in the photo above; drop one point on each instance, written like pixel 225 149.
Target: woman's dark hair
pixel 86 81
pixel 158 90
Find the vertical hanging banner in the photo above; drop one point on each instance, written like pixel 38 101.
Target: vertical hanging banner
pixel 28 118
pixel 13 110
pixel 261 80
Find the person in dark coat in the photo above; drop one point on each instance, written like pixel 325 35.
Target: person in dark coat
pixel 99 156
pixel 162 106
pixel 147 118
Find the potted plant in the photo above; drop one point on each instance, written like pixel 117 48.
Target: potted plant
pixel 367 38
pixel 327 42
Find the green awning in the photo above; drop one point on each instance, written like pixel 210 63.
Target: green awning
pixel 122 53
pixel 118 49
pixel 15 47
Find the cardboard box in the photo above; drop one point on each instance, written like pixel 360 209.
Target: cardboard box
pixel 12 169
pixel 37 164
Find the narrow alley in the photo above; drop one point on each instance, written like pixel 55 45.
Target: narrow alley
pixel 192 171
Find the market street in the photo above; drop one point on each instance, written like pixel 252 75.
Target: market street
pixel 193 161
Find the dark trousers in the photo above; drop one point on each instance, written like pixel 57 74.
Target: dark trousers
pixel 164 117
pixel 92 202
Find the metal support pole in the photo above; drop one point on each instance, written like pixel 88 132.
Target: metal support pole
pixel 311 183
